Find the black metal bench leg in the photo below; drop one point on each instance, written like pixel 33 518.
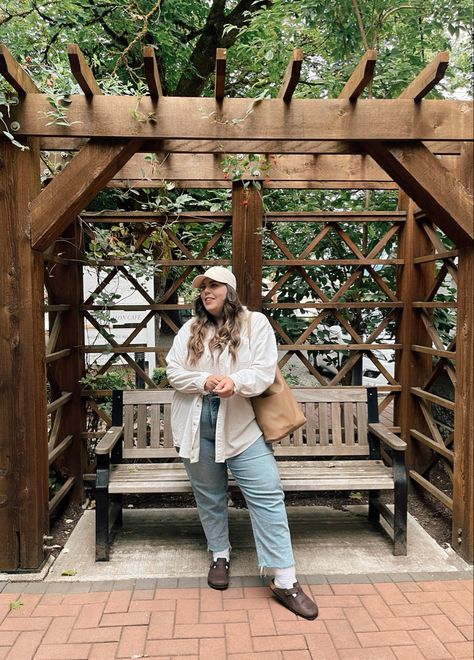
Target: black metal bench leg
pixel 401 506
pixel 117 505
pixel 102 540
pixel 374 512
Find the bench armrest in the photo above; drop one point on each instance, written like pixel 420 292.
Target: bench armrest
pixel 108 441
pixel 387 437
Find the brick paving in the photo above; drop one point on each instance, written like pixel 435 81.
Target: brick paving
pixel 361 617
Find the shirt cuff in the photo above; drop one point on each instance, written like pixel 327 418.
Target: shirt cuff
pixel 201 382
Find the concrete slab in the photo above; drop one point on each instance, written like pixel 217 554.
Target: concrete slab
pixel 157 543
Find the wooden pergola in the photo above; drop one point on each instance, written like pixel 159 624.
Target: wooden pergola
pixel 421 147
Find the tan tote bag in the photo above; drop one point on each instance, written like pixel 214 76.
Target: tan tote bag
pixel 276 410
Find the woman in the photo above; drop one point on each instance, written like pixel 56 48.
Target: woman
pixel 216 365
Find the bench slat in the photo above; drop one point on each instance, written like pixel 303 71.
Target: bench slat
pixel 155 426
pixel 141 425
pixel 134 397
pixel 362 422
pixel 167 435
pixel 320 476
pixel 128 426
pixel 323 424
pixel 349 424
pixel 336 424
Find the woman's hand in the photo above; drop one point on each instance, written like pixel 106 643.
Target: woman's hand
pixel 212 382
pixel 225 387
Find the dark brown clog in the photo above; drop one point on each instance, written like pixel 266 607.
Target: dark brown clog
pixel 218 576
pixel 296 600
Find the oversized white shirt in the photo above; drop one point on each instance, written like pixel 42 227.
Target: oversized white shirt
pixel 253 372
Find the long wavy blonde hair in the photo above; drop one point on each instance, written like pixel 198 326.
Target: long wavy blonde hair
pixel 225 334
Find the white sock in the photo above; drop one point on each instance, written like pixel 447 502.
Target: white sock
pixel 285 577
pixel 221 554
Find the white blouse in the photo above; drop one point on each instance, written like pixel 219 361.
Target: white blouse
pixel 253 372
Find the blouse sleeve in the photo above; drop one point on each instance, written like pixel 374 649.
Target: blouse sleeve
pixel 179 375
pixel 255 379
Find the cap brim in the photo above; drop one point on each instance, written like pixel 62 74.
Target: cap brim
pixel 197 281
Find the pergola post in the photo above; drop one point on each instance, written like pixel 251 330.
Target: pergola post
pixel 65 288
pixel 463 475
pixel 23 430
pixel 247 228
pixel 412 369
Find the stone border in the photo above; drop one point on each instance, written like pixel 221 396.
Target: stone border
pixel 63 587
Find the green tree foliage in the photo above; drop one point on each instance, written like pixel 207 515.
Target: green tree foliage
pixel 259 33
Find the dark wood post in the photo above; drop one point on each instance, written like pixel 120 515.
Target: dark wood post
pixel 23 428
pixel 412 369
pixel 64 285
pixel 247 228
pixel 463 477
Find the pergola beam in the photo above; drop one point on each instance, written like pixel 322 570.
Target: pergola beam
pixel 360 78
pixel 15 74
pixel 427 79
pixel 152 74
pixel 314 147
pixel 200 118
pixel 433 187
pixel 73 188
pixel 284 169
pixel 81 71
pixel 219 84
pixel 292 76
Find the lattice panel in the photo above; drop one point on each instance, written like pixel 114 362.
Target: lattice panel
pixel 435 398
pixel 193 243
pixel 310 292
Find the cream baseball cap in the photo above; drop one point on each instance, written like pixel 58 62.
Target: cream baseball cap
pixel 218 274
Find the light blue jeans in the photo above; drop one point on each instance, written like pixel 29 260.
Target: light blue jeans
pixel 256 473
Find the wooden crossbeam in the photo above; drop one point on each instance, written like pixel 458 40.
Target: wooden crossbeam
pixel 434 188
pixel 208 167
pixel 151 72
pixel 292 76
pixel 15 74
pixel 81 71
pixel 326 147
pixel 427 79
pixel 197 118
pixel 219 85
pixel 360 78
pixel 73 188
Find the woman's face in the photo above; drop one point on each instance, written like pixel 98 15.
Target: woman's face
pixel 213 296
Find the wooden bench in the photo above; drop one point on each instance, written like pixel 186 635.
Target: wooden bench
pixel 338 449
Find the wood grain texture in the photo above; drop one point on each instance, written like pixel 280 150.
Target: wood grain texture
pixel 360 78
pixel 247 229
pixel 292 76
pixel 72 189
pixel 152 74
pixel 412 369
pixel 427 79
pixel 81 71
pixel 15 74
pixel 463 478
pixel 197 146
pixel 433 187
pixel 195 168
pixel 23 431
pixel 219 85
pixel 242 119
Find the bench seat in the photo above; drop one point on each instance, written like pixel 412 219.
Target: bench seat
pixel 296 476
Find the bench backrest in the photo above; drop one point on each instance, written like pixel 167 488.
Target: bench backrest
pixel 336 424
